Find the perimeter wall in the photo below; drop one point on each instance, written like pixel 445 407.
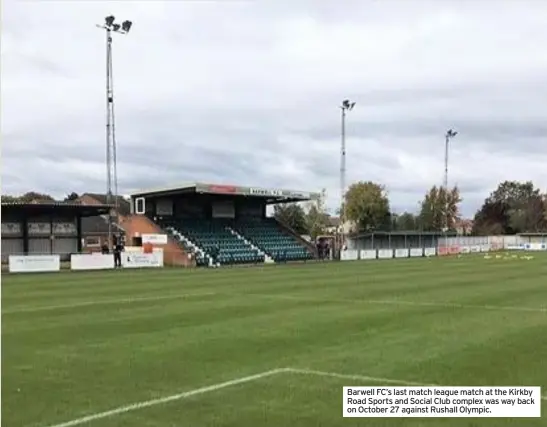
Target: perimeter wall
pixel 427 241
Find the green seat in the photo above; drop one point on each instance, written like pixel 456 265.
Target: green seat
pixel 271 238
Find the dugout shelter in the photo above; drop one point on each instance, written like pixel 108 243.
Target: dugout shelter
pixel 400 240
pixel 225 223
pixel 45 228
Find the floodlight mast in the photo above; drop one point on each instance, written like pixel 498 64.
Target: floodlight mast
pixel 449 135
pixel 347 105
pixel 111 161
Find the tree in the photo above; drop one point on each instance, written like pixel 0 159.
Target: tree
pixel 29 197
pixel 529 216
pixel 33 196
pixel 514 207
pixel 367 205
pixel 317 218
pixel 406 222
pixel 491 219
pixel 513 192
pixel 439 209
pixel 71 197
pixel 292 215
pixel 9 199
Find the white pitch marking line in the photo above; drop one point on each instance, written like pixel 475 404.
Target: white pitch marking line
pixel 364 378
pixel 106 301
pixel 355 377
pixel 219 386
pixel 412 303
pixel 162 400
pixel 456 305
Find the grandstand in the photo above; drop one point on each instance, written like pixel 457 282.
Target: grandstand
pixel 223 224
pixel 44 228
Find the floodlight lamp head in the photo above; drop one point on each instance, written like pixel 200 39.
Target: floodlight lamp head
pixel 345 103
pixel 126 26
pixel 351 105
pixel 451 133
pixel 116 27
pixel 109 21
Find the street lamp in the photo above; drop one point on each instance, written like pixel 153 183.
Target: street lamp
pixel 111 26
pixel 346 106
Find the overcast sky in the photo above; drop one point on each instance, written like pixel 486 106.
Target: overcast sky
pixel 248 92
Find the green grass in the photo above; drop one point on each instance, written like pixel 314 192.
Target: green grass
pixel 77 344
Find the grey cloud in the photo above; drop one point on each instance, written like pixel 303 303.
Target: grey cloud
pixel 497 135
pixel 248 93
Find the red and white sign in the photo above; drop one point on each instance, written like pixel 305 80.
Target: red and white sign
pixel 155 239
pixel 449 250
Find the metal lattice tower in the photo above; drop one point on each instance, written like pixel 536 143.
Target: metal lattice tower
pixel 111 159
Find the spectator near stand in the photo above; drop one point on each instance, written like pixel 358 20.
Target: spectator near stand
pixel 118 249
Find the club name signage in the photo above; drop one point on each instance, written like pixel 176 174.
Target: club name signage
pixel 252 191
pixel 277 193
pixel 265 192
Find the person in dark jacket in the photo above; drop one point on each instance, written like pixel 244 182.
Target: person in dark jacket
pixel 216 253
pixel 118 249
pixel 104 249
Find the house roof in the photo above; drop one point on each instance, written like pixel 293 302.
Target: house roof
pixel 334 221
pixel 97 225
pixel 124 206
pixel 464 223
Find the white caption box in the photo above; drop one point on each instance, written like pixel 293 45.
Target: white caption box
pixel 442 402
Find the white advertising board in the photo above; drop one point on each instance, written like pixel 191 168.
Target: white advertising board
pixel 430 251
pixel 535 246
pixel 368 254
pixel 138 260
pixel 485 248
pixel 401 253
pixel 464 249
pixel 91 262
pixel 385 253
pixel 416 252
pixel 155 239
pixel 349 255
pixel 515 247
pixel 475 249
pixel 34 263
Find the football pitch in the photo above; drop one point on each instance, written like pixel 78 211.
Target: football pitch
pixel 266 346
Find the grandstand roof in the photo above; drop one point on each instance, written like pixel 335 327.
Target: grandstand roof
pixel 70 208
pixel 271 195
